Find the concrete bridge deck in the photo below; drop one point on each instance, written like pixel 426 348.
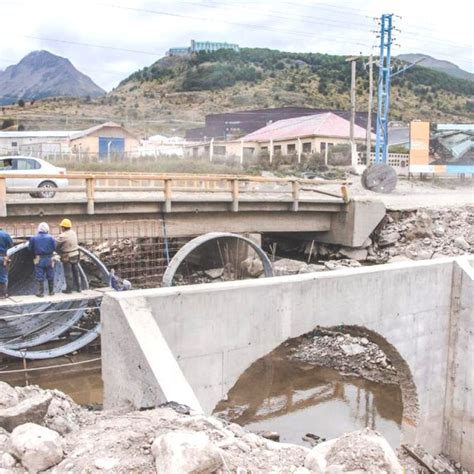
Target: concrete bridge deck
pixel 188 206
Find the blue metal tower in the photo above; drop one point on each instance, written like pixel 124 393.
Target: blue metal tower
pixel 383 93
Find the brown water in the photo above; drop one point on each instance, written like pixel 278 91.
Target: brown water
pixel 295 398
pixel 275 394
pixel 83 383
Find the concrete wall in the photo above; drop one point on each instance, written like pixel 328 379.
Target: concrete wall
pixel 217 331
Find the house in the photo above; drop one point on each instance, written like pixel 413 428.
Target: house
pixel 234 125
pixel 296 136
pixel 105 140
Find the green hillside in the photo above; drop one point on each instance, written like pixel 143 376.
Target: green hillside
pixel 229 80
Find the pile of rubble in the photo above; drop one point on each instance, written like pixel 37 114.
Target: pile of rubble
pixel 349 355
pixel 44 431
pixel 425 234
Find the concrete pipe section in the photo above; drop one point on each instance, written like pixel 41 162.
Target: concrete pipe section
pixel 46 329
pixel 200 242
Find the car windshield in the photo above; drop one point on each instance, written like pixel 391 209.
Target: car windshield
pixel 6 165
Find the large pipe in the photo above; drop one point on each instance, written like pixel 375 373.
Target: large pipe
pixel 26 326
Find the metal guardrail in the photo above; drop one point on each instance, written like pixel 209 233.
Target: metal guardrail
pixel 91 183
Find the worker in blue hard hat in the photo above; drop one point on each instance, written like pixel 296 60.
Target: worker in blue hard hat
pixel 6 242
pixel 42 246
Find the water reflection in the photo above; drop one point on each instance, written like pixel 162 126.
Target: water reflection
pixel 295 398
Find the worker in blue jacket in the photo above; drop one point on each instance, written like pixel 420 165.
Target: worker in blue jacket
pixel 42 246
pixel 6 242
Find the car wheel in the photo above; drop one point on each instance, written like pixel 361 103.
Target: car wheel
pixel 47 190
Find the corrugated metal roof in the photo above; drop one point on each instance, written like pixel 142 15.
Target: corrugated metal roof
pixel 324 125
pixel 38 134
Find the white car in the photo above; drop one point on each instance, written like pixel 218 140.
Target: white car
pixel 37 168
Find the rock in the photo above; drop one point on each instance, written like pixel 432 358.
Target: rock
pixel 439 231
pixel 286 266
pixel 354 253
pixel 29 410
pixel 7 460
pixel 214 273
pixel 252 267
pixel 4 440
pixel 106 463
pixel 359 451
pixel 37 448
pixel 271 435
pixel 461 243
pixel 352 349
pixel 367 243
pixel 8 396
pixel 185 452
pixel 312 268
pixel 61 415
pixel 388 237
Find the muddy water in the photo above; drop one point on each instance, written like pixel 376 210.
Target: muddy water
pixel 81 382
pixel 295 398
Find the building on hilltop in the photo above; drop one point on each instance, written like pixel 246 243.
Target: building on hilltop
pixel 198 46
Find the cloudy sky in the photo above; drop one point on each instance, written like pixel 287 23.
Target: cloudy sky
pixel 112 38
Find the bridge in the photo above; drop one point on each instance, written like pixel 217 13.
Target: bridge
pixel 187 205
pixel 191 344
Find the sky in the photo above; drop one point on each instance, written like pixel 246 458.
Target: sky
pixel 108 40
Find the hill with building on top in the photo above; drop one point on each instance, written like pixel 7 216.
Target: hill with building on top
pixel 42 74
pixel 176 92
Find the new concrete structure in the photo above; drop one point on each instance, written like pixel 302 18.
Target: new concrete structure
pixel 420 313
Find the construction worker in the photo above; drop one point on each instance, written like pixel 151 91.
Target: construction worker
pixel 6 242
pixel 68 249
pixel 42 246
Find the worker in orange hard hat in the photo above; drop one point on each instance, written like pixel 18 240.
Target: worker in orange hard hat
pixel 68 249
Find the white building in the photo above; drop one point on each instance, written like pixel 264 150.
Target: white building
pixel 37 143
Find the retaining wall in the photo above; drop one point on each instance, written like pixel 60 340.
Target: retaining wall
pixel 422 309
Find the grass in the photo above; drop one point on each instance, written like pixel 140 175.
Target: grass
pixel 163 165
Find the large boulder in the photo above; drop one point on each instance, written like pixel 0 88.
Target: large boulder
pixel 388 237
pixel 251 267
pixel 31 410
pixel 63 414
pixel 356 452
pixel 8 396
pixel 36 447
pixel 286 266
pixel 185 452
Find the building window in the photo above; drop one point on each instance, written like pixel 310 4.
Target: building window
pixel 264 148
pixel 14 144
pixel 277 149
pixel 219 150
pixel 291 148
pixel 307 147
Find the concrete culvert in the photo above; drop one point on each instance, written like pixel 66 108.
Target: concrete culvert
pixel 48 329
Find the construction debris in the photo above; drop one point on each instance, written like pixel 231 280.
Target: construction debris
pixel 349 355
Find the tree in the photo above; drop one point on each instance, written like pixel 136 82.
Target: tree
pixel 7 123
pixel 21 103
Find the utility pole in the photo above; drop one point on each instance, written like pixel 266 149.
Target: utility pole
pixel 368 141
pixel 383 97
pixel 353 60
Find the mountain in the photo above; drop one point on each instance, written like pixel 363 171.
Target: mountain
pixel 438 65
pixel 41 74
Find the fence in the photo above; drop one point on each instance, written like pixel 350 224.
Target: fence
pixel 399 161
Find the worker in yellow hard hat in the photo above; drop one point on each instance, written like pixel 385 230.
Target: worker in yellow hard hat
pixel 68 249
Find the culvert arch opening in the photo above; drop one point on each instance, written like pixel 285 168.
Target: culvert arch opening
pixel 323 384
